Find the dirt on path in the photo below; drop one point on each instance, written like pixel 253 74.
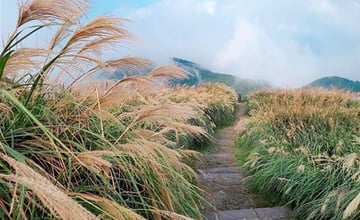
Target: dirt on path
pixel 219 175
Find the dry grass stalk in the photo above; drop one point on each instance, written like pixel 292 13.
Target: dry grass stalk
pixel 58 203
pixel 97 46
pixel 153 151
pixel 168 71
pixel 105 27
pixel 152 136
pixel 164 111
pixel 158 114
pixel 61 34
pixel 25 60
pixel 131 83
pixel 93 160
pixel 184 128
pixel 350 161
pixel 166 199
pixel 352 207
pixel 112 209
pixel 130 64
pixel 68 11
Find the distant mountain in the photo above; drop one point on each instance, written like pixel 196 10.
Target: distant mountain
pixel 200 75
pixel 337 82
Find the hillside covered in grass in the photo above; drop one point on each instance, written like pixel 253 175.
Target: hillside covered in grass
pixel 336 82
pixel 73 147
pixel 200 75
pixel 302 148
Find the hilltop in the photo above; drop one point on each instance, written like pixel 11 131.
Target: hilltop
pixel 201 75
pixel 337 82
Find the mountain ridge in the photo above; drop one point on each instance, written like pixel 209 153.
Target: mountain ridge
pixel 336 82
pixel 200 74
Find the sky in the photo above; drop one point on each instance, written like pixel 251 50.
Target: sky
pixel 288 43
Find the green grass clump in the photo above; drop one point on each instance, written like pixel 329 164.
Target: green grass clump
pixel 302 148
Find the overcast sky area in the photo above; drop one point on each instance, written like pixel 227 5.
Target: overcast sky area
pixel 288 43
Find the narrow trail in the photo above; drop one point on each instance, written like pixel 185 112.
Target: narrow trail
pixel 223 181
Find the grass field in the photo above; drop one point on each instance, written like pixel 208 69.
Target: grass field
pixel 302 149
pixel 74 147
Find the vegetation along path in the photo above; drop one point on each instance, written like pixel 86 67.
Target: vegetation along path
pixel 223 181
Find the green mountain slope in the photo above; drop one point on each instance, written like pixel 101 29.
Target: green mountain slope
pixel 337 82
pixel 200 75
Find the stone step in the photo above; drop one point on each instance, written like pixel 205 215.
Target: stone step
pixel 216 160
pixel 220 174
pixel 225 132
pixel 225 188
pixel 275 213
pixel 226 169
pixel 227 142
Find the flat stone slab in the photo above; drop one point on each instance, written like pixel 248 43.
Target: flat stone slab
pixel 224 142
pixel 220 156
pixel 216 160
pixel 233 169
pixel 220 174
pixel 226 191
pixel 276 213
pixel 232 215
pixel 273 213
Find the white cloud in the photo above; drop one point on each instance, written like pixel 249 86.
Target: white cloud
pixel 8 16
pixel 254 53
pixel 324 7
pixel 344 14
pixel 186 28
pixel 210 6
pixel 144 13
pixel 286 43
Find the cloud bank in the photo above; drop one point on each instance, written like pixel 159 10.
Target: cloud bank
pixel 288 43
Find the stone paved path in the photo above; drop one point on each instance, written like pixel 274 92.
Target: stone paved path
pixel 223 181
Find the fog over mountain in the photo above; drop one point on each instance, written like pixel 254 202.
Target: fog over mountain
pixel 287 43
